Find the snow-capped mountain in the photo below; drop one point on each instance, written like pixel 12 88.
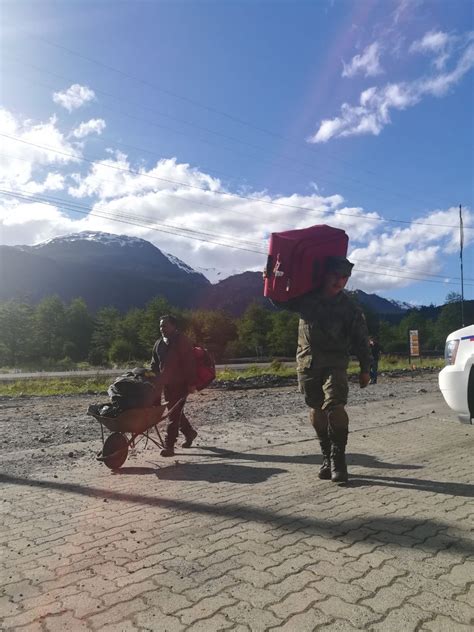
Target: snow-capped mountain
pixel 380 305
pixel 181 265
pixel 95 236
pixel 102 268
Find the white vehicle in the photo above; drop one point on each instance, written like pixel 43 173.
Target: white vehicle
pixel 456 380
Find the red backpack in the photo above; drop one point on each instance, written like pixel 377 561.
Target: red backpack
pixel 205 368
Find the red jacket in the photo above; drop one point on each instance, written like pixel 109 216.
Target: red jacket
pixel 174 360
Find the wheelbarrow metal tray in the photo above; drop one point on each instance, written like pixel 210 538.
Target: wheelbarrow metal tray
pixel 134 420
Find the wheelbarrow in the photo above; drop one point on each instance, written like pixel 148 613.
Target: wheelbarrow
pixel 127 429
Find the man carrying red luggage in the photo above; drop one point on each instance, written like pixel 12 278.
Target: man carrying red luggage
pixel 331 326
pixel 174 360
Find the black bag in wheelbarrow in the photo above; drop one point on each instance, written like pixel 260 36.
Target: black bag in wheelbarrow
pixel 134 389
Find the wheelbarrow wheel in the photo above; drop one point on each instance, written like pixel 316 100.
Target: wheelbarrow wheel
pixel 115 450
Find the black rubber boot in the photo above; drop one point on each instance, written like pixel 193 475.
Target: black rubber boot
pixel 338 463
pixel 325 469
pixel 189 439
pixel 167 451
pixel 338 432
pixel 319 421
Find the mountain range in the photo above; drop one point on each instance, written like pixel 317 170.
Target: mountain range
pixel 126 272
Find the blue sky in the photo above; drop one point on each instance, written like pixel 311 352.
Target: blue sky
pixel 220 122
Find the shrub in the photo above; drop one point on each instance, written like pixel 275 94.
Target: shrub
pixel 120 351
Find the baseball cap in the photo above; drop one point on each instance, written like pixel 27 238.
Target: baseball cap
pixel 339 265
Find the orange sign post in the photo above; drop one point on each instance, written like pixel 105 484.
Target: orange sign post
pixel 414 343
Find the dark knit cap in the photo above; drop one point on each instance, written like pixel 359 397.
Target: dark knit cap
pixel 339 265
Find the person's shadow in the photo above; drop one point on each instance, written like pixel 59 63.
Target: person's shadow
pixel 353 458
pixel 218 473
pixel 210 472
pixel 419 484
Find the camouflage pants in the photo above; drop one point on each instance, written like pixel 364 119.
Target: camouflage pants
pixel 325 391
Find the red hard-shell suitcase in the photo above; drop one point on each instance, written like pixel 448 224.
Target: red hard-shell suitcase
pixel 296 258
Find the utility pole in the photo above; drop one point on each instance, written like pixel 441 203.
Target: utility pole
pixel 461 244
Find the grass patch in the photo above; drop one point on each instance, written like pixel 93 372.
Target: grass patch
pixel 84 386
pixel 256 371
pixel 395 363
pixel 56 386
pixel 99 384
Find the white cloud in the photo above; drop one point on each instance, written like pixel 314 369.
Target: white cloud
pixel 184 200
pixel 75 96
pixel 367 63
pixel 115 177
pixel 372 113
pixel 93 126
pixel 433 41
pixel 32 222
pixel 52 182
pixel 414 251
pixel 24 155
pixel 402 10
pixel 437 43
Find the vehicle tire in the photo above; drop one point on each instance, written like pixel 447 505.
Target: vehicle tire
pixel 470 393
pixel 115 450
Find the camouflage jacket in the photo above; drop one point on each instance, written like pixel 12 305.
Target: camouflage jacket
pixel 330 329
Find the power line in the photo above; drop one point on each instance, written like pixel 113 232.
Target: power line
pixel 64 203
pixel 124 218
pixel 388 267
pixel 144 221
pixel 397 276
pixel 234 195
pixel 118 217
pixel 257 244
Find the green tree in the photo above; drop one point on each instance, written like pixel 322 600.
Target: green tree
pixel 78 328
pixel 105 332
pixel 150 325
pixel 453 297
pixel 282 337
pixel 129 329
pixel 449 320
pixel 371 317
pixel 120 351
pixel 49 327
pixel 389 337
pixel 16 332
pixel 253 330
pixel 211 329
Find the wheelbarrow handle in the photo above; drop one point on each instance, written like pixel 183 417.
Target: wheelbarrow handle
pixel 175 405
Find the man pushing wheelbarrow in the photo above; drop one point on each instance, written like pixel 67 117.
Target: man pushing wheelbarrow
pixel 137 405
pixel 174 362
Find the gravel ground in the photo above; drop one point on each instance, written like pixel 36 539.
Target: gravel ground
pixel 39 434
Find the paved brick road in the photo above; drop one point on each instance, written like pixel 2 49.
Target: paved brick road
pixel 251 540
